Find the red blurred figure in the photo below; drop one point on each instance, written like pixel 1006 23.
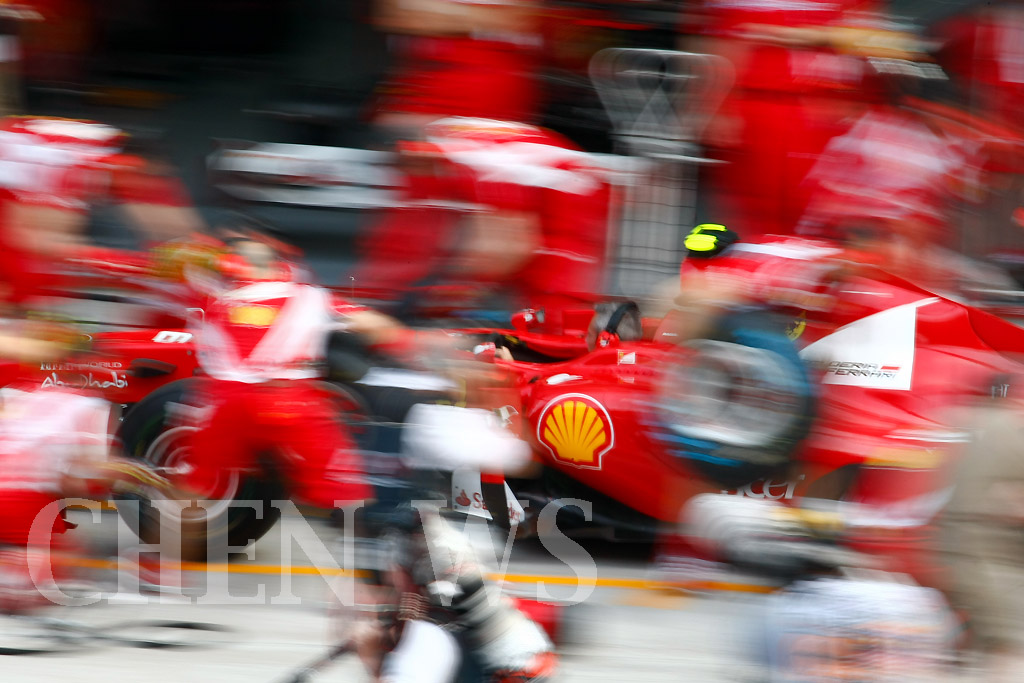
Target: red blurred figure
pixel 897 176
pixel 261 343
pixel 57 42
pixel 541 209
pixel 983 49
pixel 457 58
pixel 54 445
pixel 44 436
pixel 52 171
pixel 889 167
pixel 983 52
pixel 799 74
pixel 406 242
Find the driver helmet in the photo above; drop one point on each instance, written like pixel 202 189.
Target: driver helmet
pixel 708 240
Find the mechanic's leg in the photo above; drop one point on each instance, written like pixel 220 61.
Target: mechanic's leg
pixel 989 586
pixel 28 564
pixel 318 458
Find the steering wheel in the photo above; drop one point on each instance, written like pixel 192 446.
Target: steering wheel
pixel 610 333
pixel 620 312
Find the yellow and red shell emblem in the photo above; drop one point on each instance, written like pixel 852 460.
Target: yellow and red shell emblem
pixel 577 430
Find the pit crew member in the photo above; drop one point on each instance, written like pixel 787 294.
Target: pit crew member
pixel 261 344
pixel 456 58
pixel 54 445
pixel 537 231
pixel 801 70
pixel 436 573
pixel 52 172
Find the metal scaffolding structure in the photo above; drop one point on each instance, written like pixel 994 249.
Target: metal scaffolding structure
pixel 659 102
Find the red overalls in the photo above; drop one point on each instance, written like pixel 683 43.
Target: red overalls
pixel 262 345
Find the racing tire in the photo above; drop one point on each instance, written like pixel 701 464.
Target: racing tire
pixel 156 430
pixel 736 405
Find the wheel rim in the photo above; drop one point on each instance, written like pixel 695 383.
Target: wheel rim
pixel 170 452
pixel 731 394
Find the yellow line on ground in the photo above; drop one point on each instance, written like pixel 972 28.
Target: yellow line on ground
pixel 608 582
pixel 306 570
pixel 300 570
pixel 222 567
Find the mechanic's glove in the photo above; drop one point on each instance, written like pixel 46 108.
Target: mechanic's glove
pixel 134 479
pixel 56 329
pixel 485 352
pixel 819 523
pixel 413 606
pixel 172 259
pixel 490 351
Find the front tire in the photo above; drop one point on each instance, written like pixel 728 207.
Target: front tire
pixel 736 405
pixel 157 430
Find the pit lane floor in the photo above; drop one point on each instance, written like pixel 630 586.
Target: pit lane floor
pixel 626 630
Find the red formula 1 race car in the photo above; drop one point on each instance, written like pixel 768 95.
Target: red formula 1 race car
pixel 769 403
pixel 858 405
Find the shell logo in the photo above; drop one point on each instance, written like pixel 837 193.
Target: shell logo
pixel 577 430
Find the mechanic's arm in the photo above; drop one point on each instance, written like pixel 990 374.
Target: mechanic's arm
pixel 778 282
pixel 155 201
pixel 24 349
pixel 389 336
pixel 386 335
pixel 163 222
pixel 36 341
pixel 703 297
pixel 433 350
pixel 46 231
pixel 378 329
pixel 370 640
